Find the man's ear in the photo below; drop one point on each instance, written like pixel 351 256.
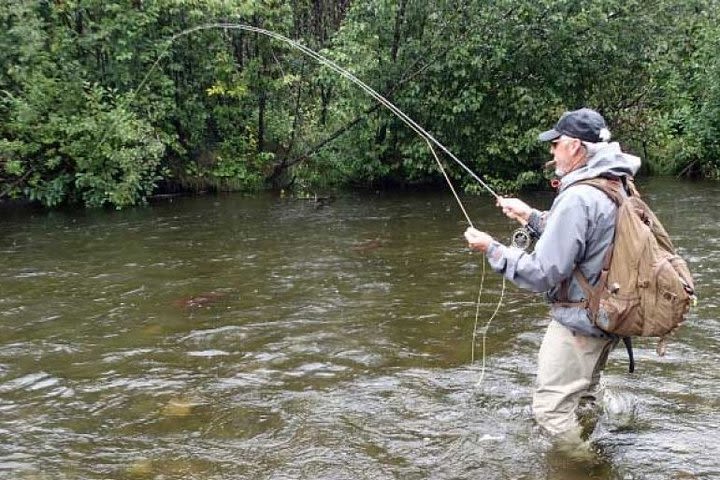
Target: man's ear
pixel 577 146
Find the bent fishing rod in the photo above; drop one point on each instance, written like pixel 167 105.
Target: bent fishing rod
pixel 346 74
pixel 523 234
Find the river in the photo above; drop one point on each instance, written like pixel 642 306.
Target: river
pixel 258 337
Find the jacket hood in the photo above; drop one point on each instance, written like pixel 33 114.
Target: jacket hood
pixel 604 159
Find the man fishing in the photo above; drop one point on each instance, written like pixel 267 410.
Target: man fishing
pixel 576 232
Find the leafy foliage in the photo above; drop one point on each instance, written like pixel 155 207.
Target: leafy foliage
pixel 684 121
pixel 105 102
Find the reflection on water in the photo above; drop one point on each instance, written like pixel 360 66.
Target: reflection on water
pixel 257 337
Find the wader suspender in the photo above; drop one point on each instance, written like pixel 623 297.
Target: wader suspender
pixel 593 295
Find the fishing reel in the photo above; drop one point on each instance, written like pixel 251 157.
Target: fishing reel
pixel 524 237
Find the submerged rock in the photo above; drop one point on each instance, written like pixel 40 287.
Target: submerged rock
pixel 201 300
pixel 180 407
pixel 367 245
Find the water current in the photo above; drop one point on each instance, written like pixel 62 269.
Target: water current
pixel 258 337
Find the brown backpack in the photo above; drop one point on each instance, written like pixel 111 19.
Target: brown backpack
pixel 645 288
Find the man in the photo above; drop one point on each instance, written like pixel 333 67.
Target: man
pixel 576 232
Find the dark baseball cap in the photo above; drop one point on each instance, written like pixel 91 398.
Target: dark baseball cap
pixel 584 124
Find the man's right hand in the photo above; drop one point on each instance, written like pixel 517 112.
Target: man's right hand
pixel 515 208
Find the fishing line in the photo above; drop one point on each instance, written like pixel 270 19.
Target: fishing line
pixel 447 179
pixel 486 327
pixel 482 282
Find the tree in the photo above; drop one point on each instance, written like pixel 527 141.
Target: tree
pixel 105 102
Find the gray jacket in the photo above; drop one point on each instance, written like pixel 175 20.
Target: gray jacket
pixel 577 230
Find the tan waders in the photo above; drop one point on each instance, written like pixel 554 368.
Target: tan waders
pixel 569 368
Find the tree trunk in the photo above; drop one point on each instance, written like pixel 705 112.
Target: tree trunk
pixel 262 99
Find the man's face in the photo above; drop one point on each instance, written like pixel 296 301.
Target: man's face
pixel 567 153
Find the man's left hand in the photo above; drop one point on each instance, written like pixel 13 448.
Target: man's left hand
pixel 478 240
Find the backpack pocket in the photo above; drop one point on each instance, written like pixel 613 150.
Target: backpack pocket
pixel 620 315
pixel 666 300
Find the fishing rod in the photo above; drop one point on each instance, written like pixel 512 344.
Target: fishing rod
pixel 414 126
pixel 521 238
pixel 524 233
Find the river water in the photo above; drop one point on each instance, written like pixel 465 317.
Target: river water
pixel 257 337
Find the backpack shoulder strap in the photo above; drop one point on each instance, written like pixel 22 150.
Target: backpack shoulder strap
pixel 611 187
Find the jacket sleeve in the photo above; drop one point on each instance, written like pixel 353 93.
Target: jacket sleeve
pixel 556 252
